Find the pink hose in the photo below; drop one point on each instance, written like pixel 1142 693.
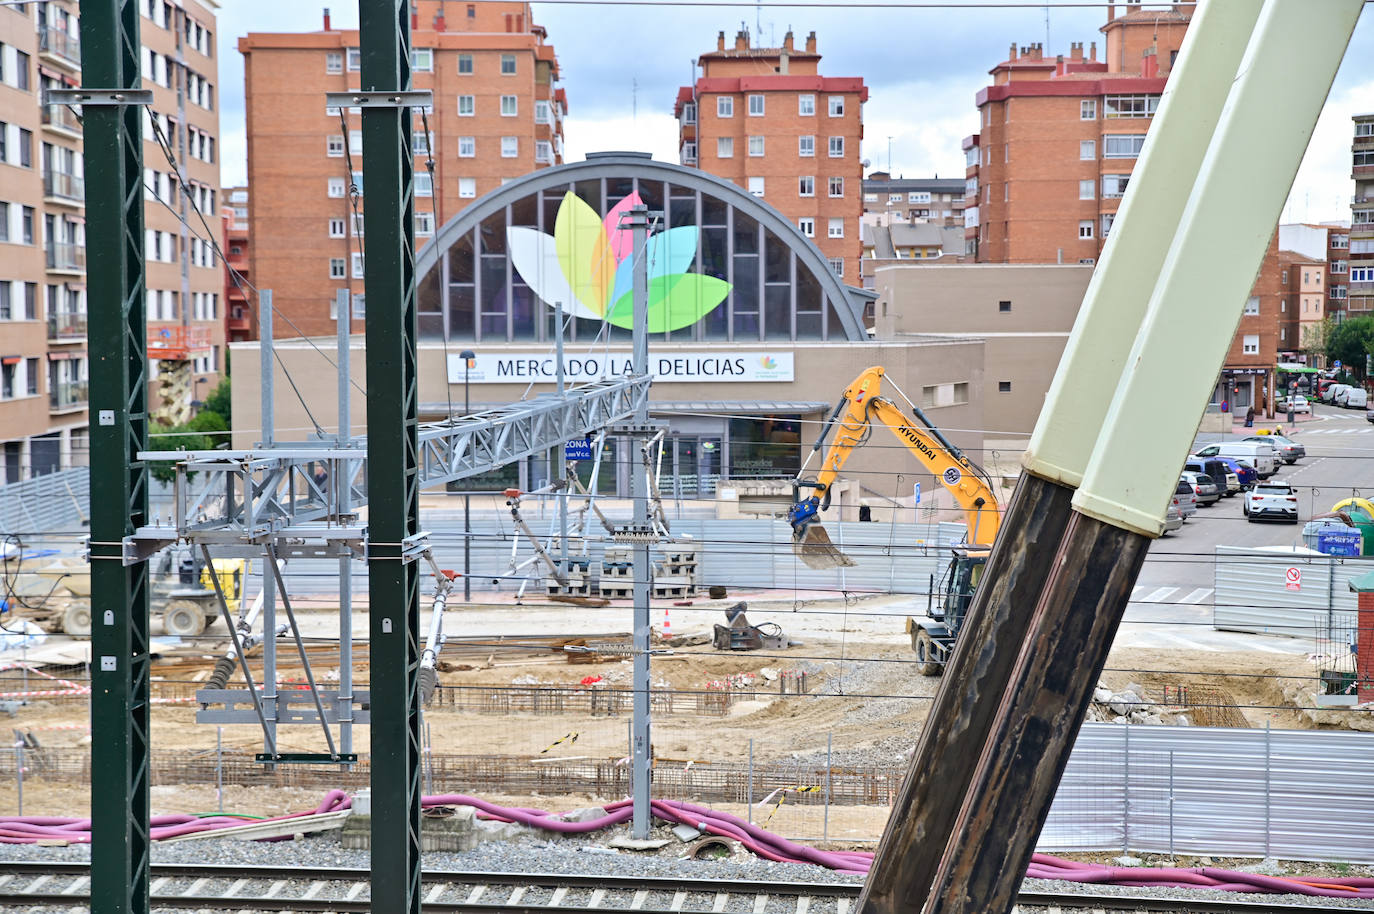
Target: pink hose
pixel 30 829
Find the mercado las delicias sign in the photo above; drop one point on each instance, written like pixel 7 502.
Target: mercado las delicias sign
pixel 689 366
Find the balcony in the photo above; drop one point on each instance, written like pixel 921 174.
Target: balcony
pixel 67 327
pixel 67 395
pixel 64 187
pixel 60 47
pixel 177 343
pixel 62 119
pixel 65 257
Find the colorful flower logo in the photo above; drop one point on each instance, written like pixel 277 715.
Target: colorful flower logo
pixel 768 362
pixel 586 265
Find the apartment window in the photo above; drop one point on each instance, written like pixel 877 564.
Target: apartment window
pixel 542 112
pixel 543 151
pixel 1250 344
pixel 1107 220
pixel 31 369
pixel 336 187
pixel 1130 105
pixel 510 147
pixel 1362 274
pixel 806 146
pixel 1087 150
pixel 689 153
pixel 894 198
pixel 421 143
pixel 21 71
pixel 806 186
pixel 334 146
pixel 806 105
pixel 509 106
pixel 336 228
pixel 1085 229
pixel 807 227
pixel 837 147
pixel 7 380
pixel 756 186
pixel 1122 146
pixel 1087 109
pixel 336 268
pixel 689 113
pixel 358 182
pixel 1365 129
pixel 467 105
pixel 1086 189
pixel 26 225
pixel 357 259
pixel 1340 242
pixel 837 266
pixel 467 187
pixel 355 142
pixel 355 59
pixel 837 187
pixel 725 106
pixel 1004 387
pixel 1283 277
pixel 464 64
pixel 756 106
pixel 422 60
pixel 424 223
pixel 507 64
pixel 424 184
pixel 836 103
pixel 756 146
pixel 1004 307
pixel 918 196
pixel 725 147
pixel 4 226
pixel 835 228
pixel 1114 185
pixel 1339 266
pixel 333 62
pixel 25 148
pixel 1338 292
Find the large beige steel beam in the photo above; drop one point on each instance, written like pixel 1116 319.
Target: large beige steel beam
pixel 1265 127
pixel 931 796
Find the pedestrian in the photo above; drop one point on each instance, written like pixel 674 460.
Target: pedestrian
pixel 1250 417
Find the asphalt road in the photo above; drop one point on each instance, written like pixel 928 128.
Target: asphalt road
pixel 1171 605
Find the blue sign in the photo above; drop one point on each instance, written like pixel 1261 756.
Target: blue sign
pixel 918 493
pixel 1339 542
pixel 578 449
pixel 1336 364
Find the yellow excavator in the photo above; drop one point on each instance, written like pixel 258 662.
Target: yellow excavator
pixel 861 407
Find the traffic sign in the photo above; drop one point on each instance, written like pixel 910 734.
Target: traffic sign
pixel 578 449
pixel 1293 578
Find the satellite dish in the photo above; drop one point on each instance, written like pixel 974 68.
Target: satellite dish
pixel 864 163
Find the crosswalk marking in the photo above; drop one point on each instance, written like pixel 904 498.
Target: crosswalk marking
pixel 1186 643
pixel 1197 596
pixel 1159 595
pixel 1144 593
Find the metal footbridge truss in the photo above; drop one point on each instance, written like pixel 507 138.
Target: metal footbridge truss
pixel 309 492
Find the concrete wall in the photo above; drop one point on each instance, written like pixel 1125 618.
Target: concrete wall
pixel 1022 345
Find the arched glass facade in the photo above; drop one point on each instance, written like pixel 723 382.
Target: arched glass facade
pixel 723 265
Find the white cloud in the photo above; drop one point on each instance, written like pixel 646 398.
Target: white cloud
pixel 926 121
pixel 1323 187
pixel 652 133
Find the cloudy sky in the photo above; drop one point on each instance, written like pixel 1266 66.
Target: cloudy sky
pixel 622 66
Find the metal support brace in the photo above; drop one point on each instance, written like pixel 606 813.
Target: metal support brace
pixel 119 479
pixel 300 646
pixel 241 652
pixel 393 456
pixel 109 98
pixel 414 98
pixel 641 758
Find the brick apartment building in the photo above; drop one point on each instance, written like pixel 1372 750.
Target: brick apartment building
pixel 932 201
pixel 1058 137
pixel 767 120
pixel 43 354
pixel 1361 275
pixel 240 317
pixel 498 114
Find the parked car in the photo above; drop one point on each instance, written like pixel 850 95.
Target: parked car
pixel 1285 448
pixel 1172 519
pixel 1259 456
pixel 1204 487
pixel 1228 480
pixel 1185 498
pixel 1369 413
pixel 1330 393
pixel 1354 398
pixel 1272 499
pixel 1295 404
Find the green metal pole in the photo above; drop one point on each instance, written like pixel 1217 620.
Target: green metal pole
pixel 119 482
pixel 392 454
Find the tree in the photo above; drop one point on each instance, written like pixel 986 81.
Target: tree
pixel 1350 342
pixel 197 435
pixel 1315 337
pixel 221 402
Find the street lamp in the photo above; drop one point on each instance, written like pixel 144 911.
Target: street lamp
pixel 468 357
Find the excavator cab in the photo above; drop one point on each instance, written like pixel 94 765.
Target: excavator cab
pixel 933 639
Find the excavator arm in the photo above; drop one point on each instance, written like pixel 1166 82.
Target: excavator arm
pixel 860 409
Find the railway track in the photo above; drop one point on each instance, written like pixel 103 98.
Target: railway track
pixel 30 885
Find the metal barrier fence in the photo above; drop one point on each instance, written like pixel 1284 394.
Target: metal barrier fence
pixel 55 501
pixel 1289 794
pixel 1269 591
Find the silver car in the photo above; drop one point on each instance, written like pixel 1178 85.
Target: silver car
pixel 1204 487
pixel 1172 519
pixel 1185 499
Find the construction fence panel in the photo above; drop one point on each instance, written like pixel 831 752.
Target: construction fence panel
pixel 55 502
pixel 1280 593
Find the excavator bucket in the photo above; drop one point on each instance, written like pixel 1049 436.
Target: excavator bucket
pixel 813 546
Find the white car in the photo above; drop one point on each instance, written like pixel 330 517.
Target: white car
pixel 1271 499
pixel 1331 393
pixel 1352 398
pixel 1295 404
